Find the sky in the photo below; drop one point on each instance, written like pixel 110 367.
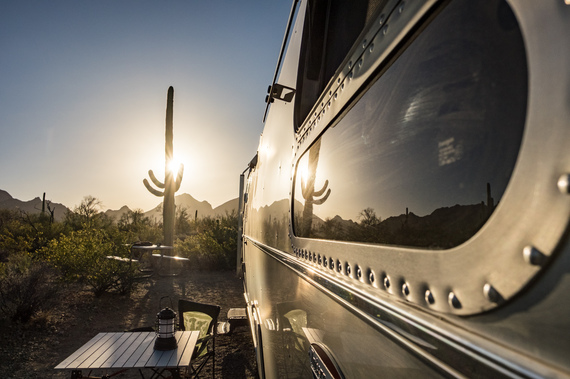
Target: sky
pixel 83 87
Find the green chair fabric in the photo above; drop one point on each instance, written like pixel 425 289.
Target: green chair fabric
pixel 204 318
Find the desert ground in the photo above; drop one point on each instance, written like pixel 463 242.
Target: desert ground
pixel 34 349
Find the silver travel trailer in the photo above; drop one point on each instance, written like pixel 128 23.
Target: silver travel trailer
pixel 406 214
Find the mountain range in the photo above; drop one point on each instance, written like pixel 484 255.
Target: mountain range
pixel 183 201
pixel 31 206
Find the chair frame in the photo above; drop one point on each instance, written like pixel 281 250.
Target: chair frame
pixel 211 310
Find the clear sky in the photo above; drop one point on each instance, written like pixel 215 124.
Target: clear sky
pixel 83 87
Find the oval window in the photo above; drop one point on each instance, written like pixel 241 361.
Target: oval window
pixel 424 156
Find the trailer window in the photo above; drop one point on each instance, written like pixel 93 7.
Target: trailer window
pixel 331 28
pixel 424 157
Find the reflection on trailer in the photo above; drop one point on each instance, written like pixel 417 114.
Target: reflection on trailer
pixel 406 214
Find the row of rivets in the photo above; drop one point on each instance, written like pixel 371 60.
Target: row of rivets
pixel 317 116
pixel 531 255
pixel 490 292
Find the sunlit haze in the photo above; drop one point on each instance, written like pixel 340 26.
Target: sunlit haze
pixel 83 95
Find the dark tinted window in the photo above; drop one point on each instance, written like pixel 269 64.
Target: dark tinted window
pixel 331 28
pixel 423 158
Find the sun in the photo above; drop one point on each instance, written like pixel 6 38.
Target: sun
pixel 174 166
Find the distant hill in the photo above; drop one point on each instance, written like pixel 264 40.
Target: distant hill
pixel 192 205
pixel 184 200
pixel 32 206
pixel 116 215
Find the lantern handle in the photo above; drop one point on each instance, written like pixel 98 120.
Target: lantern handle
pixel 160 302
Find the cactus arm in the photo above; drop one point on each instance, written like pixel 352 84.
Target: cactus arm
pixel 322 190
pixel 152 190
pixel 179 177
pixel 155 180
pixel 322 200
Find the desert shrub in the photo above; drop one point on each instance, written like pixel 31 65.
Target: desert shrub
pixel 82 256
pixel 15 235
pixel 88 215
pixel 214 245
pixel 21 232
pixel 26 287
pixel 138 227
pixel 204 252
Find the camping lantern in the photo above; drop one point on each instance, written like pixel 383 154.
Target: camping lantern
pixel 165 328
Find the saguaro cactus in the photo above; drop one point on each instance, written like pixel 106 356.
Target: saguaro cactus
pixel 170 185
pixel 308 189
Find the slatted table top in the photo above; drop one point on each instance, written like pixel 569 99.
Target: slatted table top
pixel 130 350
pixel 152 247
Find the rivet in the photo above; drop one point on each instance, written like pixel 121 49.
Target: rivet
pixel 338 81
pixel 349 65
pixel 405 289
pixel 429 297
pixel 325 261
pixel 335 96
pixel 385 30
pixel 350 75
pixel 371 47
pixel 453 301
pixel 331 263
pixel 360 63
pixel 564 180
pixel 364 44
pixel 342 86
pixel 387 282
pixel 338 266
pixel 382 17
pixel 491 293
pixel 358 272
pixel 347 268
pixel 401 9
pixel 320 260
pixel 315 257
pixel 310 256
pixel 533 256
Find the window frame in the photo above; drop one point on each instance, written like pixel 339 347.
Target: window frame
pixel 507 252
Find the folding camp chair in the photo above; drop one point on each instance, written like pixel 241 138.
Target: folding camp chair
pixel 204 318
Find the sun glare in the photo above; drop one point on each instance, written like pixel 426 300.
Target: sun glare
pixel 303 171
pixel 173 166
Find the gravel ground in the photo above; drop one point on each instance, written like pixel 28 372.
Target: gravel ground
pixel 33 350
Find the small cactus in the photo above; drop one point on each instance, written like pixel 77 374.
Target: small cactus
pixel 170 185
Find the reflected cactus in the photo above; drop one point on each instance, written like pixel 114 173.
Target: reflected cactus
pixel 308 189
pixel 170 185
